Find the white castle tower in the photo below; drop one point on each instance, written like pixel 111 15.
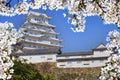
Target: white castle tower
pixel 40 43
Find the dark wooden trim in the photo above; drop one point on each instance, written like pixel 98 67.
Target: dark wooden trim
pixel 83 59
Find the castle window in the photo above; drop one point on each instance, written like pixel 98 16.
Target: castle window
pixel 30 58
pixel 78 61
pixel 29 39
pixel 30 46
pixel 34 46
pixel 101 60
pixel 86 64
pixel 92 61
pixel 49 58
pixel 62 65
pixel 39 46
pixel 42 57
pixel 0 62
pixel 69 62
pixel 67 57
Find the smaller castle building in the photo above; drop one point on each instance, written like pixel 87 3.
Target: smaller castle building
pixel 94 58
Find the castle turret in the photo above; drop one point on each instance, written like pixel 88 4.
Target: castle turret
pixel 39 36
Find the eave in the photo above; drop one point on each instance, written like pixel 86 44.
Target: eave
pixel 42 44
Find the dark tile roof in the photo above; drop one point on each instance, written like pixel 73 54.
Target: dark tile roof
pixel 82 59
pixel 76 53
pixel 38 52
pixel 100 49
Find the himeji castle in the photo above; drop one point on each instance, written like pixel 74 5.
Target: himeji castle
pixel 40 42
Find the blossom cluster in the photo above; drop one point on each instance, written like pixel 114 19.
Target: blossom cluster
pixel 8 37
pixel 113 41
pixel 77 10
pixel 111 71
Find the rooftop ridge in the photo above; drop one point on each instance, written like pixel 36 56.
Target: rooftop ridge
pixel 38 14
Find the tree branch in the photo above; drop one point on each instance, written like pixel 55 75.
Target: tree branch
pixel 97 2
pixel 8 3
pixel 81 5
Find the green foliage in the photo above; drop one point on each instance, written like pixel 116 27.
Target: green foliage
pixel 25 71
pixel 48 77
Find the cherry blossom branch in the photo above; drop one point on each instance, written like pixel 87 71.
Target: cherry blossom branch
pixel 8 37
pixel 107 9
pixel 99 6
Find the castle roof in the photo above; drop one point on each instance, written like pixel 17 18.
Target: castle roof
pixel 37 14
pixel 76 53
pixel 100 47
pixel 38 24
pixel 37 52
pixel 84 53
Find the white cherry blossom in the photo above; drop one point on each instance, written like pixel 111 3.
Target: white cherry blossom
pixel 8 37
pixel 109 10
pixel 112 69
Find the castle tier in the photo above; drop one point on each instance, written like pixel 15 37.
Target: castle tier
pixel 39 35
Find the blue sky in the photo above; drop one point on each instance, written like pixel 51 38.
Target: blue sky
pixel 94 34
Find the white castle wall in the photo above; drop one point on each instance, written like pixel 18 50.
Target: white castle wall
pixel 69 64
pixel 101 53
pixel 81 64
pixel 40 58
pixel 84 63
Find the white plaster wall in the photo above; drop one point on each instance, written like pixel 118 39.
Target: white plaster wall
pixel 40 58
pixel 101 53
pixel 75 64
